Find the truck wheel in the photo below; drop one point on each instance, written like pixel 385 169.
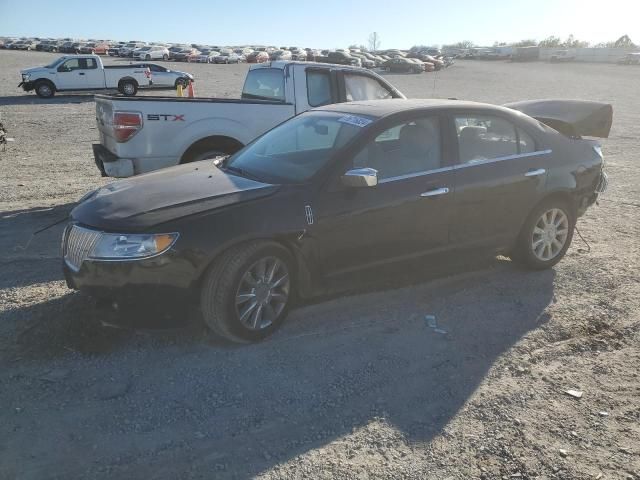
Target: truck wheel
pixel 210 148
pixel 45 89
pixel 182 81
pixel 128 88
pixel 545 235
pixel 246 294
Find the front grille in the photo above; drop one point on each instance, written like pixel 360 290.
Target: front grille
pixel 79 244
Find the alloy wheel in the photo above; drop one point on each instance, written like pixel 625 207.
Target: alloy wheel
pixel 550 234
pixel 263 293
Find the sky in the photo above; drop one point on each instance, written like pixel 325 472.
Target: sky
pixel 324 24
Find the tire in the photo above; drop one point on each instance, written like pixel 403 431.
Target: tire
pixel 181 81
pixel 535 248
pixel 128 88
pixel 229 291
pixel 165 57
pixel 45 89
pixel 211 148
pixel 54 50
pixel 147 57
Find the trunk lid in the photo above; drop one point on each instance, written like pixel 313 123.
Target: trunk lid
pixel 574 118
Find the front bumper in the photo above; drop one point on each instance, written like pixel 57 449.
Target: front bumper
pixel 27 86
pixel 166 277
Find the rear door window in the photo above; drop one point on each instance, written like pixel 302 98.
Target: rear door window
pixel 264 84
pixel 526 142
pixel 484 137
pixel 319 89
pixel 88 63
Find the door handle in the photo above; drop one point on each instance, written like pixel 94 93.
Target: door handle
pixel 81 73
pixel 435 193
pixel 535 173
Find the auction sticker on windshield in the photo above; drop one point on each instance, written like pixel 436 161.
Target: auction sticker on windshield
pixel 355 120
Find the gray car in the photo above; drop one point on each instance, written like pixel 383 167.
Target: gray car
pixel 163 77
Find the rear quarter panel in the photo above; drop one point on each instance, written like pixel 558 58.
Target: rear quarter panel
pixel 112 76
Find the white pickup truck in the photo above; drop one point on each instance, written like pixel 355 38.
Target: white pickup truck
pixel 83 72
pixel 142 134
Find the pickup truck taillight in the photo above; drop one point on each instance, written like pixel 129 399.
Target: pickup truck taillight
pixel 126 125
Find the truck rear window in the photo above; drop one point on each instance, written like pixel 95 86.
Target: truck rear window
pixel 264 84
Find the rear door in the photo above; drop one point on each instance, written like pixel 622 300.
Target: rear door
pixel 500 175
pixel 94 76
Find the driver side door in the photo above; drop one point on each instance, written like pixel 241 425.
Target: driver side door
pixel 404 215
pixel 69 75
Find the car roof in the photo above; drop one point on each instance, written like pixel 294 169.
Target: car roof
pixel 383 108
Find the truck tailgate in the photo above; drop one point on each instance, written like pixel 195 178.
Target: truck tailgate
pixel 171 125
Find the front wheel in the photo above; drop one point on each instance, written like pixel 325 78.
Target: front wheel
pixel 147 57
pixel 44 89
pixel 545 236
pixel 247 292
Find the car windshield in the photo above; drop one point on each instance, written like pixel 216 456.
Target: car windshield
pixel 296 150
pixel 54 63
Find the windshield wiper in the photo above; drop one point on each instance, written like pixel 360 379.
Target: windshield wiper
pixel 239 171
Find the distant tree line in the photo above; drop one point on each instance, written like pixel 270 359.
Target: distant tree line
pixel 551 42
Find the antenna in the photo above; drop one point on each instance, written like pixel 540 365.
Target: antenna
pixel 435 77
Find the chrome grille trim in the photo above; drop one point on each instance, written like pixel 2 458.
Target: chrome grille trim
pixel 79 245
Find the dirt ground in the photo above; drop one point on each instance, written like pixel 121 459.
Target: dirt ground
pixel 355 385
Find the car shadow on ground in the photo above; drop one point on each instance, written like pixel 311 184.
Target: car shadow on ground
pixel 32 99
pixel 339 366
pixel 30 245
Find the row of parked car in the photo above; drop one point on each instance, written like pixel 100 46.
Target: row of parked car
pixel 393 60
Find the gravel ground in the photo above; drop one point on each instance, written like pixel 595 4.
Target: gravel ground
pixel 355 385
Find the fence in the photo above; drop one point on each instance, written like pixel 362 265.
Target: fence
pixel 602 55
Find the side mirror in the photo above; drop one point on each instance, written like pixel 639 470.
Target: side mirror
pixel 360 177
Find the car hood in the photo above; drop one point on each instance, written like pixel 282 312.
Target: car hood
pixel 31 70
pixel 138 203
pixel 574 118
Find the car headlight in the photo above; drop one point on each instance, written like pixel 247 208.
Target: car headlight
pixel 114 246
pixel 25 77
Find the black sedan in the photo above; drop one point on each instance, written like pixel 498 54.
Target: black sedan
pixel 337 189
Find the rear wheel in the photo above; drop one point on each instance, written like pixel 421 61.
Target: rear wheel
pixel 128 88
pixel 165 57
pixel 546 235
pixel 182 81
pixel 247 293
pixel 45 89
pixel 211 148
pixel 147 57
